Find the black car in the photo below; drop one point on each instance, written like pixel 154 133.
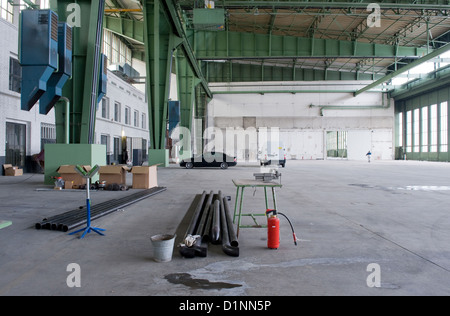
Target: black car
pixel 212 159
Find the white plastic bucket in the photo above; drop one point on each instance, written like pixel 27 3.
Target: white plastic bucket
pixel 163 247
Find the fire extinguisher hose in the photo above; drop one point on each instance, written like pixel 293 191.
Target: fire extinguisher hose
pixel 292 227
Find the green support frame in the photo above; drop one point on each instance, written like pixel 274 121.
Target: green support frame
pixel 77 89
pixel 187 82
pixel 210 45
pixel 159 51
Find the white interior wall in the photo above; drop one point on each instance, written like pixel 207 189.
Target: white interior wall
pixel 10 100
pixel 303 127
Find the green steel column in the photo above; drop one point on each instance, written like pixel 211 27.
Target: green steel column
pixel 85 15
pixel 187 81
pixel 92 71
pixel 159 45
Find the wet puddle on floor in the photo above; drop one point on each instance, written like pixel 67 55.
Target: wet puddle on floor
pixel 199 284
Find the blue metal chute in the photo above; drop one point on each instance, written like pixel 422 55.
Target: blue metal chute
pixel 103 79
pixel 174 115
pixel 38 53
pixel 59 78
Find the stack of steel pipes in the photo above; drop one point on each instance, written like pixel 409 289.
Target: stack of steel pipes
pixel 210 223
pixel 74 218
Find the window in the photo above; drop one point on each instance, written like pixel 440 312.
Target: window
pixel 444 127
pixel 15 75
pixel 107 45
pixel 16 143
pixel 337 144
pixel 104 140
pixel 48 134
pixel 44 4
pixel 136 118
pixel 105 108
pixel 117 109
pixel 117 149
pixel 6 11
pixel 433 128
pixel 144 121
pixel 127 115
pixel 416 139
pixel 425 129
pixel 409 131
pixel 115 49
pixel 400 130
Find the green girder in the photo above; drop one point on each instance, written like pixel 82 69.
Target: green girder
pixel 210 45
pixel 83 66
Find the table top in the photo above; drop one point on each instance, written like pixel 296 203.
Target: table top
pixel 255 183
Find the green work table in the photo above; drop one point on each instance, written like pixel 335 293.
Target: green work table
pixel 241 184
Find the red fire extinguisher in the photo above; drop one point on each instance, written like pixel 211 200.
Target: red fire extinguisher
pixel 273 229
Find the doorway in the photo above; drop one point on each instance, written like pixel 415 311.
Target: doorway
pixel 337 144
pixel 15 144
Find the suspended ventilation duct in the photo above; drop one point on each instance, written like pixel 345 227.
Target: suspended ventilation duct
pixel 125 72
pixel 38 53
pixel 103 78
pixel 59 78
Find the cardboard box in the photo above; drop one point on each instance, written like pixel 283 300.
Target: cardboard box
pixel 68 173
pixel 12 171
pixel 144 177
pixel 68 185
pixel 114 174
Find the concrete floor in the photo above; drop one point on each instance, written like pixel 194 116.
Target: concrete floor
pixel 347 215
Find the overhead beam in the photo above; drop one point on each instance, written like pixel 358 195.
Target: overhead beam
pixel 210 45
pixel 134 30
pixel 122 10
pixel 130 29
pixel 415 63
pixel 178 29
pixel 401 4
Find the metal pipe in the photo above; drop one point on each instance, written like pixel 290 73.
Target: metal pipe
pixel 105 211
pixel 226 246
pixel 231 232
pixel 77 217
pixel 184 250
pixel 199 247
pixel 415 63
pixel 215 230
pixel 80 213
pixel 207 233
pixel 195 216
pixel 262 92
pixel 205 212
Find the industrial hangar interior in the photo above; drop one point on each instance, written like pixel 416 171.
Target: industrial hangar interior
pixel 224 148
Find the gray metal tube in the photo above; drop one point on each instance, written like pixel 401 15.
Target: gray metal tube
pixel 215 229
pixel 231 232
pixel 226 246
pixel 202 224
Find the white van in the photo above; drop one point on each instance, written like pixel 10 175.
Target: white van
pixel 272 154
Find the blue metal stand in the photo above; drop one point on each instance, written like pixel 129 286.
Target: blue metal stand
pixel 88 228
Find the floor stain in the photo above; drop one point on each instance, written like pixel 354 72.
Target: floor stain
pixel 198 284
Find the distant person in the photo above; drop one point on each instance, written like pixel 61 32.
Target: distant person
pixel 368 155
pixel 39 158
